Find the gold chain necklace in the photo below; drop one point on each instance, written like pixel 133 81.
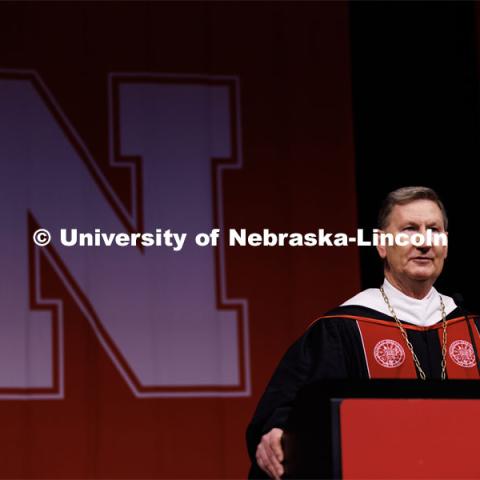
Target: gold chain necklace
pixel 410 346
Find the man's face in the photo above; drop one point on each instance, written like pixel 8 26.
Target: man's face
pixel 407 263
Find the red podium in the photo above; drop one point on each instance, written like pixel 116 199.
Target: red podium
pixel 385 429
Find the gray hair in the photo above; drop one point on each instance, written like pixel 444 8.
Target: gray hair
pixel 405 195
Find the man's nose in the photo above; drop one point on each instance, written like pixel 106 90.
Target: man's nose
pixel 424 247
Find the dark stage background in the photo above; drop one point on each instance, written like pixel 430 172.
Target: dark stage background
pixel 292 116
pixel 416 122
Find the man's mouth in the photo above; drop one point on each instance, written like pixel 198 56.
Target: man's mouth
pixel 422 259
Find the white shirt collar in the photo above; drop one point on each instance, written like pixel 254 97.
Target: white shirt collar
pixel 422 312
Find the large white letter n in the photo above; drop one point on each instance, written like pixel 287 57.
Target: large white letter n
pixel 162 316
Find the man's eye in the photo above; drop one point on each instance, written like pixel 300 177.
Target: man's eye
pixel 409 227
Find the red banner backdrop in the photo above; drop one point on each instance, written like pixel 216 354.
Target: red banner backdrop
pixel 283 71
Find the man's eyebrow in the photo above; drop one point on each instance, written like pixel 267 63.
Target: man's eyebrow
pixel 434 223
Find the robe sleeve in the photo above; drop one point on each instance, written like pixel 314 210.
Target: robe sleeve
pixel 317 354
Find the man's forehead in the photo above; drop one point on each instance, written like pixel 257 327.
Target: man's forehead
pixel 418 210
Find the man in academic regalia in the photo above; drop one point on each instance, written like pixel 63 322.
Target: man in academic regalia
pixel 404 329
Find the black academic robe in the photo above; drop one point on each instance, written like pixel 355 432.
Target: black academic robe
pixel 356 342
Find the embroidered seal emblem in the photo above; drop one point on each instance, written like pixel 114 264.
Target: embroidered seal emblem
pixel 389 353
pixel 461 352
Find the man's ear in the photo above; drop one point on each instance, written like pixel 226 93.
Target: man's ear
pixel 381 249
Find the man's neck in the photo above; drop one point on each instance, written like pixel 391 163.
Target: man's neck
pixel 413 289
